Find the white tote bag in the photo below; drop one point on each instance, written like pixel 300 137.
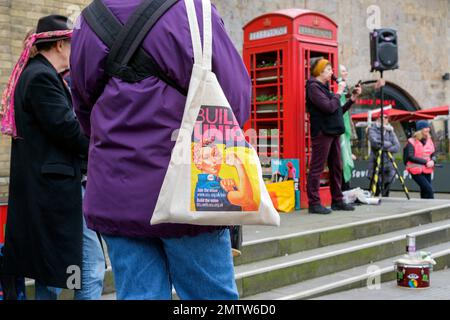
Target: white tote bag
pixel 214 176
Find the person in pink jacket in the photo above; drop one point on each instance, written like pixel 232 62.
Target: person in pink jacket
pixel 420 158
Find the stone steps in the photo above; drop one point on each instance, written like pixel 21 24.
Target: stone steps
pixel 270 274
pixel 285 244
pixel 358 277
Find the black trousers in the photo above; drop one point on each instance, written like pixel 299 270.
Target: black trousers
pixel 8 284
pixel 386 183
pixel 424 182
pixel 236 237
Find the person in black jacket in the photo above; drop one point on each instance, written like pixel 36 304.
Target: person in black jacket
pixel 44 231
pixel 327 125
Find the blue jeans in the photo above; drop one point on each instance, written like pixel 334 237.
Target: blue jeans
pixel 199 268
pixel 92 271
pixel 424 182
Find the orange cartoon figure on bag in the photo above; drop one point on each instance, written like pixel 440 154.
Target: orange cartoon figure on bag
pixel 213 193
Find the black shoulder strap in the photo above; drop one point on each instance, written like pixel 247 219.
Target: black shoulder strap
pixel 127 60
pixel 137 28
pixel 103 22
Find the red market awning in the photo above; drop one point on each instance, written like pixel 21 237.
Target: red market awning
pixel 417 116
pixel 397 115
pixel 436 111
pixel 394 115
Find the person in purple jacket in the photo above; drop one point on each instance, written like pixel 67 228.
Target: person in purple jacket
pixel 131 126
pixel 327 125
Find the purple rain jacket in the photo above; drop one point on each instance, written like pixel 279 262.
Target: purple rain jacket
pixel 131 125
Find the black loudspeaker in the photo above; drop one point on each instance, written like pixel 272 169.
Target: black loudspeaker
pixel 383 50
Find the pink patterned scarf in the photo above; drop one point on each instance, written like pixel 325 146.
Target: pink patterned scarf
pixel 8 124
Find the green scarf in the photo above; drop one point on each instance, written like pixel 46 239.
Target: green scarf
pixel 346 147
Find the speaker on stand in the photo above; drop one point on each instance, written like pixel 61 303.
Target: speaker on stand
pixel 383 50
pixel 383 56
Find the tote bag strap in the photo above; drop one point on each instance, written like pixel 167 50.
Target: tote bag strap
pixel 202 57
pixel 207 35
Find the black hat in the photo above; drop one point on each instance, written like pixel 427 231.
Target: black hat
pixel 53 23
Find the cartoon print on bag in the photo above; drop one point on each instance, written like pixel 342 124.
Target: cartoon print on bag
pixel 213 193
pixel 224 178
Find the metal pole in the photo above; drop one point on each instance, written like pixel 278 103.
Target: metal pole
pixel 369 124
pixel 448 128
pixel 382 139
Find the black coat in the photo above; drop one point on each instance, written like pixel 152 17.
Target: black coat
pixel 45 226
pixel 324 107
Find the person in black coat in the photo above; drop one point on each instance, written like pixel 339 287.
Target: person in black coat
pixel 44 230
pixel 327 125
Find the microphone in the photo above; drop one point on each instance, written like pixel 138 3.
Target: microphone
pixel 335 79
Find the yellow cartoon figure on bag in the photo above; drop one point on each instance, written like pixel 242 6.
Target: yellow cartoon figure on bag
pixel 213 193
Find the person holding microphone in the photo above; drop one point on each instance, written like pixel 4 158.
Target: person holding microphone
pixel 327 126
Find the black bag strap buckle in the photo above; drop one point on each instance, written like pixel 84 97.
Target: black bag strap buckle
pixel 126 73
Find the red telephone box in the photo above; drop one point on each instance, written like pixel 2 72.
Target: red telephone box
pixel 278 47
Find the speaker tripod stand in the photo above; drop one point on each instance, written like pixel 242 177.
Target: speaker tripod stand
pixel 384 56
pixel 376 174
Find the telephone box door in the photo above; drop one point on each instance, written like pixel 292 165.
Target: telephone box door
pixel 309 52
pixel 269 75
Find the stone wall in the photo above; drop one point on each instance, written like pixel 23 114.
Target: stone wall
pixel 423 28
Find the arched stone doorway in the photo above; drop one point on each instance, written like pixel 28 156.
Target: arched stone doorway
pixel 395 96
